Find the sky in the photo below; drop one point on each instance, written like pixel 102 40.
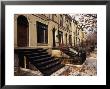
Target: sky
pixel 87 21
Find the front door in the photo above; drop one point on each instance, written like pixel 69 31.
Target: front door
pixel 22 31
pixel 53 37
pixel 60 37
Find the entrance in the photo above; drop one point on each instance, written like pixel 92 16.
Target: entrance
pixel 22 31
pixel 66 38
pixel 53 31
pixel 70 40
pixel 60 33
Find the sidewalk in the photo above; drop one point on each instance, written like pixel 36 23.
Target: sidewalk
pixel 89 67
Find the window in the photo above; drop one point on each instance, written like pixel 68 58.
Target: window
pixel 61 20
pixel 60 34
pixel 67 21
pixel 70 24
pixel 55 15
pixel 70 39
pixel 67 27
pixel 42 33
pixel 52 16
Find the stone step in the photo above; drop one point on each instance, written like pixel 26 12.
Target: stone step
pixel 53 64
pixel 41 59
pixel 34 51
pixel 36 54
pixel 26 49
pixel 39 56
pixel 52 70
pixel 44 63
pixel 60 71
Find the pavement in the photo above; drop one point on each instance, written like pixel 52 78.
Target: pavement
pixel 88 68
pixel 28 72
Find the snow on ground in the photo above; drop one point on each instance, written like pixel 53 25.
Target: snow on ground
pixel 89 67
pixel 28 72
pixel 60 71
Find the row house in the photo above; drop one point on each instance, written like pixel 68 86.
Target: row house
pixel 79 36
pixel 42 30
pixel 35 38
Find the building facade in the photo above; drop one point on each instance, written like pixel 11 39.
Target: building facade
pixel 79 36
pixel 42 30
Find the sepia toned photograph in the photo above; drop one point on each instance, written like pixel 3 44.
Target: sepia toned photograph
pixel 47 43
pixel 55 44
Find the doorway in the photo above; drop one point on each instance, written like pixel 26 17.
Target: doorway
pixel 53 31
pixel 60 33
pixel 22 31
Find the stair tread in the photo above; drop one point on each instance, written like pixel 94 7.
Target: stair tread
pixel 41 59
pixel 52 70
pixel 49 65
pixel 36 54
pixel 39 56
pixel 46 62
pixel 36 51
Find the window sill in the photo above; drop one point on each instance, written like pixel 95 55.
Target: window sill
pixel 42 44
